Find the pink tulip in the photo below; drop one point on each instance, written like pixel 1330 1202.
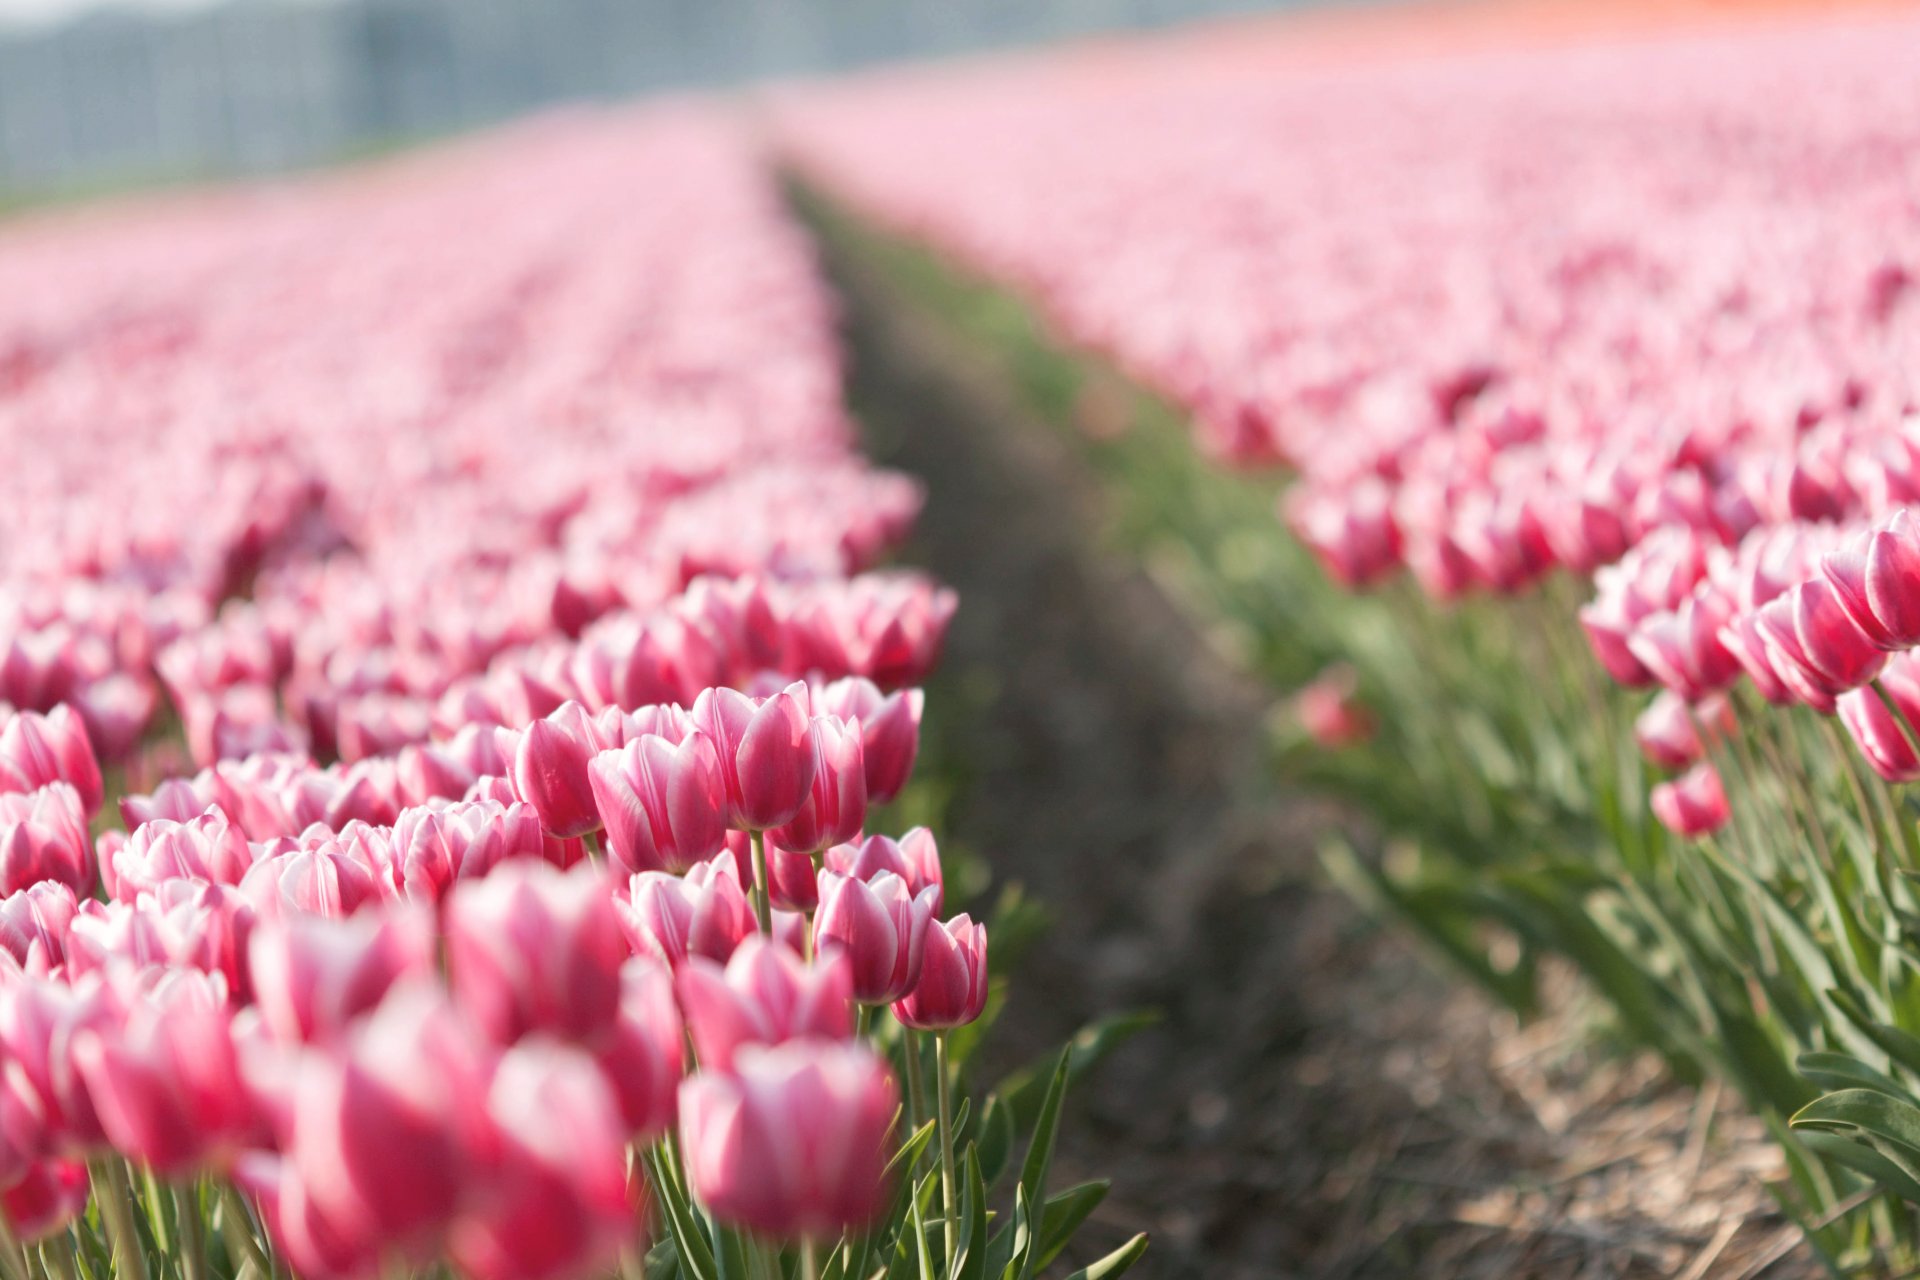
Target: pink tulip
pixel 51 1194
pixel 793 1142
pixel 1821 645
pixel 43 836
pixel 34 923
pixel 433 847
pixel 836 805
pixel 952 990
pixel 1666 732
pixel 1692 804
pixel 550 771
pixel 765 995
pixel 36 750
pixel 312 976
pixel 889 730
pixel 1879 734
pixel 1683 648
pixel 385 1128
pixel 207 847
pixel 915 858
pixel 166 1084
pixel 324 880
pixel 880 925
pixel 665 804
pixel 645 1053
pixel 766 753
pixel 1329 709
pixel 39 1024
pixel 554 1201
pixel 1877 581
pixel 533 948
pixel 704 913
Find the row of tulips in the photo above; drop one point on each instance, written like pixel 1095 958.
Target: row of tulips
pixel 497 706
pixel 1591 375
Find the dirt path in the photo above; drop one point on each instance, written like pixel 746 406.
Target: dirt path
pixel 1317 1099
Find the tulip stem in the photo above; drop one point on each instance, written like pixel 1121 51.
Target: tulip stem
pixel 191 1229
pixel 13 1257
pixel 809 1259
pixel 591 840
pixel 948 1190
pixel 861 1015
pixel 910 1047
pixel 115 1194
pixel 762 890
pixel 56 1255
pixel 236 1223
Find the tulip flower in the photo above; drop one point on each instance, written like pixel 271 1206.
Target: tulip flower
pixel 882 928
pixel 166 1084
pixel 1330 712
pixel 208 847
pixel 914 857
pixel 766 751
pixel 550 771
pixel 43 836
pixel 36 750
pixel 664 804
pixel 34 923
pixel 703 913
pixel 1692 804
pixel 1877 582
pixel 432 847
pixel 48 1196
pixel 644 1055
pixel 792 1143
pixel 325 880
pixel 1879 734
pixel 889 730
pixel 1816 644
pixel 836 805
pixel 952 990
pixel 765 995
pixel 312 976
pixel 533 948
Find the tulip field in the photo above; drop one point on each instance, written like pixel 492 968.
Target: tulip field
pixel 450 705
pixel 463 805
pixel 1553 449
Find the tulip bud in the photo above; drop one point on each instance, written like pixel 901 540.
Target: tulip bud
pixel 766 753
pixel 765 995
pixel 48 1196
pixel 1882 739
pixel 1877 581
pixel 793 1142
pixel 1692 804
pixel 880 925
pixel 952 989
pixel 665 805
pixel 550 771
pixel 645 1054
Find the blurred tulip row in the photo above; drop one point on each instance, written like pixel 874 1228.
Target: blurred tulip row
pixel 444 713
pixel 1592 374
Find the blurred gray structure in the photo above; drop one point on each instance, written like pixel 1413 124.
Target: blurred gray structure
pixel 258 85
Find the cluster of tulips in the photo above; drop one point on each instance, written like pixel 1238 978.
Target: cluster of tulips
pixel 454 577
pixel 1594 371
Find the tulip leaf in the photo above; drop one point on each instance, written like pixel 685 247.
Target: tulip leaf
pixel 995 1142
pixel 1115 1263
pixel 688 1238
pixel 731 1254
pixel 1020 1237
pixel 1838 1071
pixel 1861 1158
pixel 1887 1126
pixel 970 1259
pixel 1902 1047
pixel 920 1242
pixel 1033 1171
pixel 1063 1214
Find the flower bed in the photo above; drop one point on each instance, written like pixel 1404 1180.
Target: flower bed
pixel 449 701
pixel 1593 370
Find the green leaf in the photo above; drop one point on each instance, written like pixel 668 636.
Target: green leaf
pixel 996 1138
pixel 1838 1071
pixel 1114 1263
pixel 1063 1215
pixel 1033 1171
pixel 689 1240
pixel 970 1259
pixel 1862 1158
pixel 1886 1125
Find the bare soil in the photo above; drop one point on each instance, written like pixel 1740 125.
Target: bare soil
pixel 1318 1099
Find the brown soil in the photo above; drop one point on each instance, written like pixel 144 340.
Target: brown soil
pixel 1318 1100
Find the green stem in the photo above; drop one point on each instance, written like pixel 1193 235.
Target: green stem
pixel 910 1047
pixel 117 1206
pixel 762 895
pixel 191 1230
pixel 56 1256
pixel 592 841
pixel 809 1260
pixel 948 1194
pixel 861 1016
pixel 13 1257
pixel 236 1224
